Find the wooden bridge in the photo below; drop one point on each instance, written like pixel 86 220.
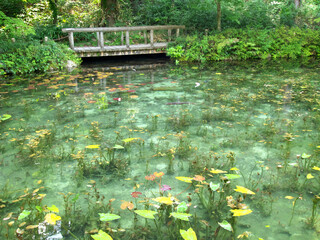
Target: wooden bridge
pixel 152 44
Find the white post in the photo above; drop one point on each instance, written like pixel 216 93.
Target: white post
pixel 151 38
pixel 101 41
pixel 71 40
pixel 169 35
pixel 127 39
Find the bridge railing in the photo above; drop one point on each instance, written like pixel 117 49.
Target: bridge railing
pixel 125 33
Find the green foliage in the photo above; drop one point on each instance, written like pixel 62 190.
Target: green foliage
pixel 237 44
pixel 13 27
pixel 12 8
pixel 27 57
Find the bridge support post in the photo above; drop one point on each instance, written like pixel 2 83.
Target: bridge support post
pixel 127 40
pixel 71 40
pixel 177 33
pixel 100 40
pixel 151 37
pixel 169 35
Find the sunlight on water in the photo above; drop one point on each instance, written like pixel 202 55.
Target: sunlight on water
pixel 120 139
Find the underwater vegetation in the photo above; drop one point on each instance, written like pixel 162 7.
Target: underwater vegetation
pixel 176 152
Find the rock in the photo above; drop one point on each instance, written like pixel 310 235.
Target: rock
pixel 71 65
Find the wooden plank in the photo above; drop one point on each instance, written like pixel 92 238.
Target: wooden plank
pixel 120 48
pixel 120 29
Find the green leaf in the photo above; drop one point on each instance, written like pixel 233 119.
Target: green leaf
pixel 182 207
pixel 213 186
pixel 39 209
pixel 53 208
pixel 182 216
pixel 188 235
pixel 232 176
pixel 146 213
pixel 227 226
pixel 24 214
pixel 101 236
pixel 118 147
pixel 5 117
pixel 305 156
pixel 108 217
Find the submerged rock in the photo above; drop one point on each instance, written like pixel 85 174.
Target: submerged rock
pixel 71 65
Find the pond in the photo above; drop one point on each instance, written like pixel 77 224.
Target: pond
pixel 149 151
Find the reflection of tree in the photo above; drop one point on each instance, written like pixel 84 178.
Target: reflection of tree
pixel 54 8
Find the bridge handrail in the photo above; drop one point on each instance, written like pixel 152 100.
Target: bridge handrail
pixel 101 30
pixel 121 29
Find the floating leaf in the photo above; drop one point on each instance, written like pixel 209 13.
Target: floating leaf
pixel 243 190
pixel 188 235
pixel 289 197
pixel 164 200
pixel 240 212
pixel 316 168
pixel 129 139
pixel 309 176
pixel 31 227
pixel 214 186
pixel 199 178
pixel 182 207
pixel 53 208
pixel 305 156
pixel 92 146
pixel 216 171
pixel 52 218
pixel 234 169
pixel 185 179
pixel 232 176
pixel 146 213
pixel 101 236
pixel 108 217
pixel 118 147
pixel 182 216
pixel 5 117
pixel 227 226
pixel 24 214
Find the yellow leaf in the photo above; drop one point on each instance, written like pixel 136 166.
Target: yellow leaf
pixel 243 190
pixel 92 146
pixel 185 179
pixel 289 197
pixel 234 169
pixel 309 176
pixel 52 218
pixel 164 200
pixel 53 208
pixel 240 212
pixel 31 227
pixel 316 168
pixel 217 171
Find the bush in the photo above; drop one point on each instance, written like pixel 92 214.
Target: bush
pixel 238 44
pixel 26 57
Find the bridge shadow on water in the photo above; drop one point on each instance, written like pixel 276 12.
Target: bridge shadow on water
pixel 132 62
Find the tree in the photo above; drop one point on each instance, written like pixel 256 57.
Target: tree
pixel 110 11
pixel 218 2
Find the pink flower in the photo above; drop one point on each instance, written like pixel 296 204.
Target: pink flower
pixel 165 188
pixel 135 194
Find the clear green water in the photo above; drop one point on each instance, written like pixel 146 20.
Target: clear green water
pixel 262 116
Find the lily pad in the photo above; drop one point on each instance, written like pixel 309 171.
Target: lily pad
pixel 182 216
pixel 101 236
pixel 305 156
pixel 24 214
pixel 188 235
pixel 227 226
pixel 214 187
pixel 146 213
pixel 105 217
pixel 182 207
pixel 232 176
pixel 5 117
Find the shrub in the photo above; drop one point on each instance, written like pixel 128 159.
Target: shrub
pixel 32 56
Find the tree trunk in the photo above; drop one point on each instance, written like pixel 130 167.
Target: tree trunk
pixel 218 15
pixel 297 3
pixel 109 11
pixel 54 8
